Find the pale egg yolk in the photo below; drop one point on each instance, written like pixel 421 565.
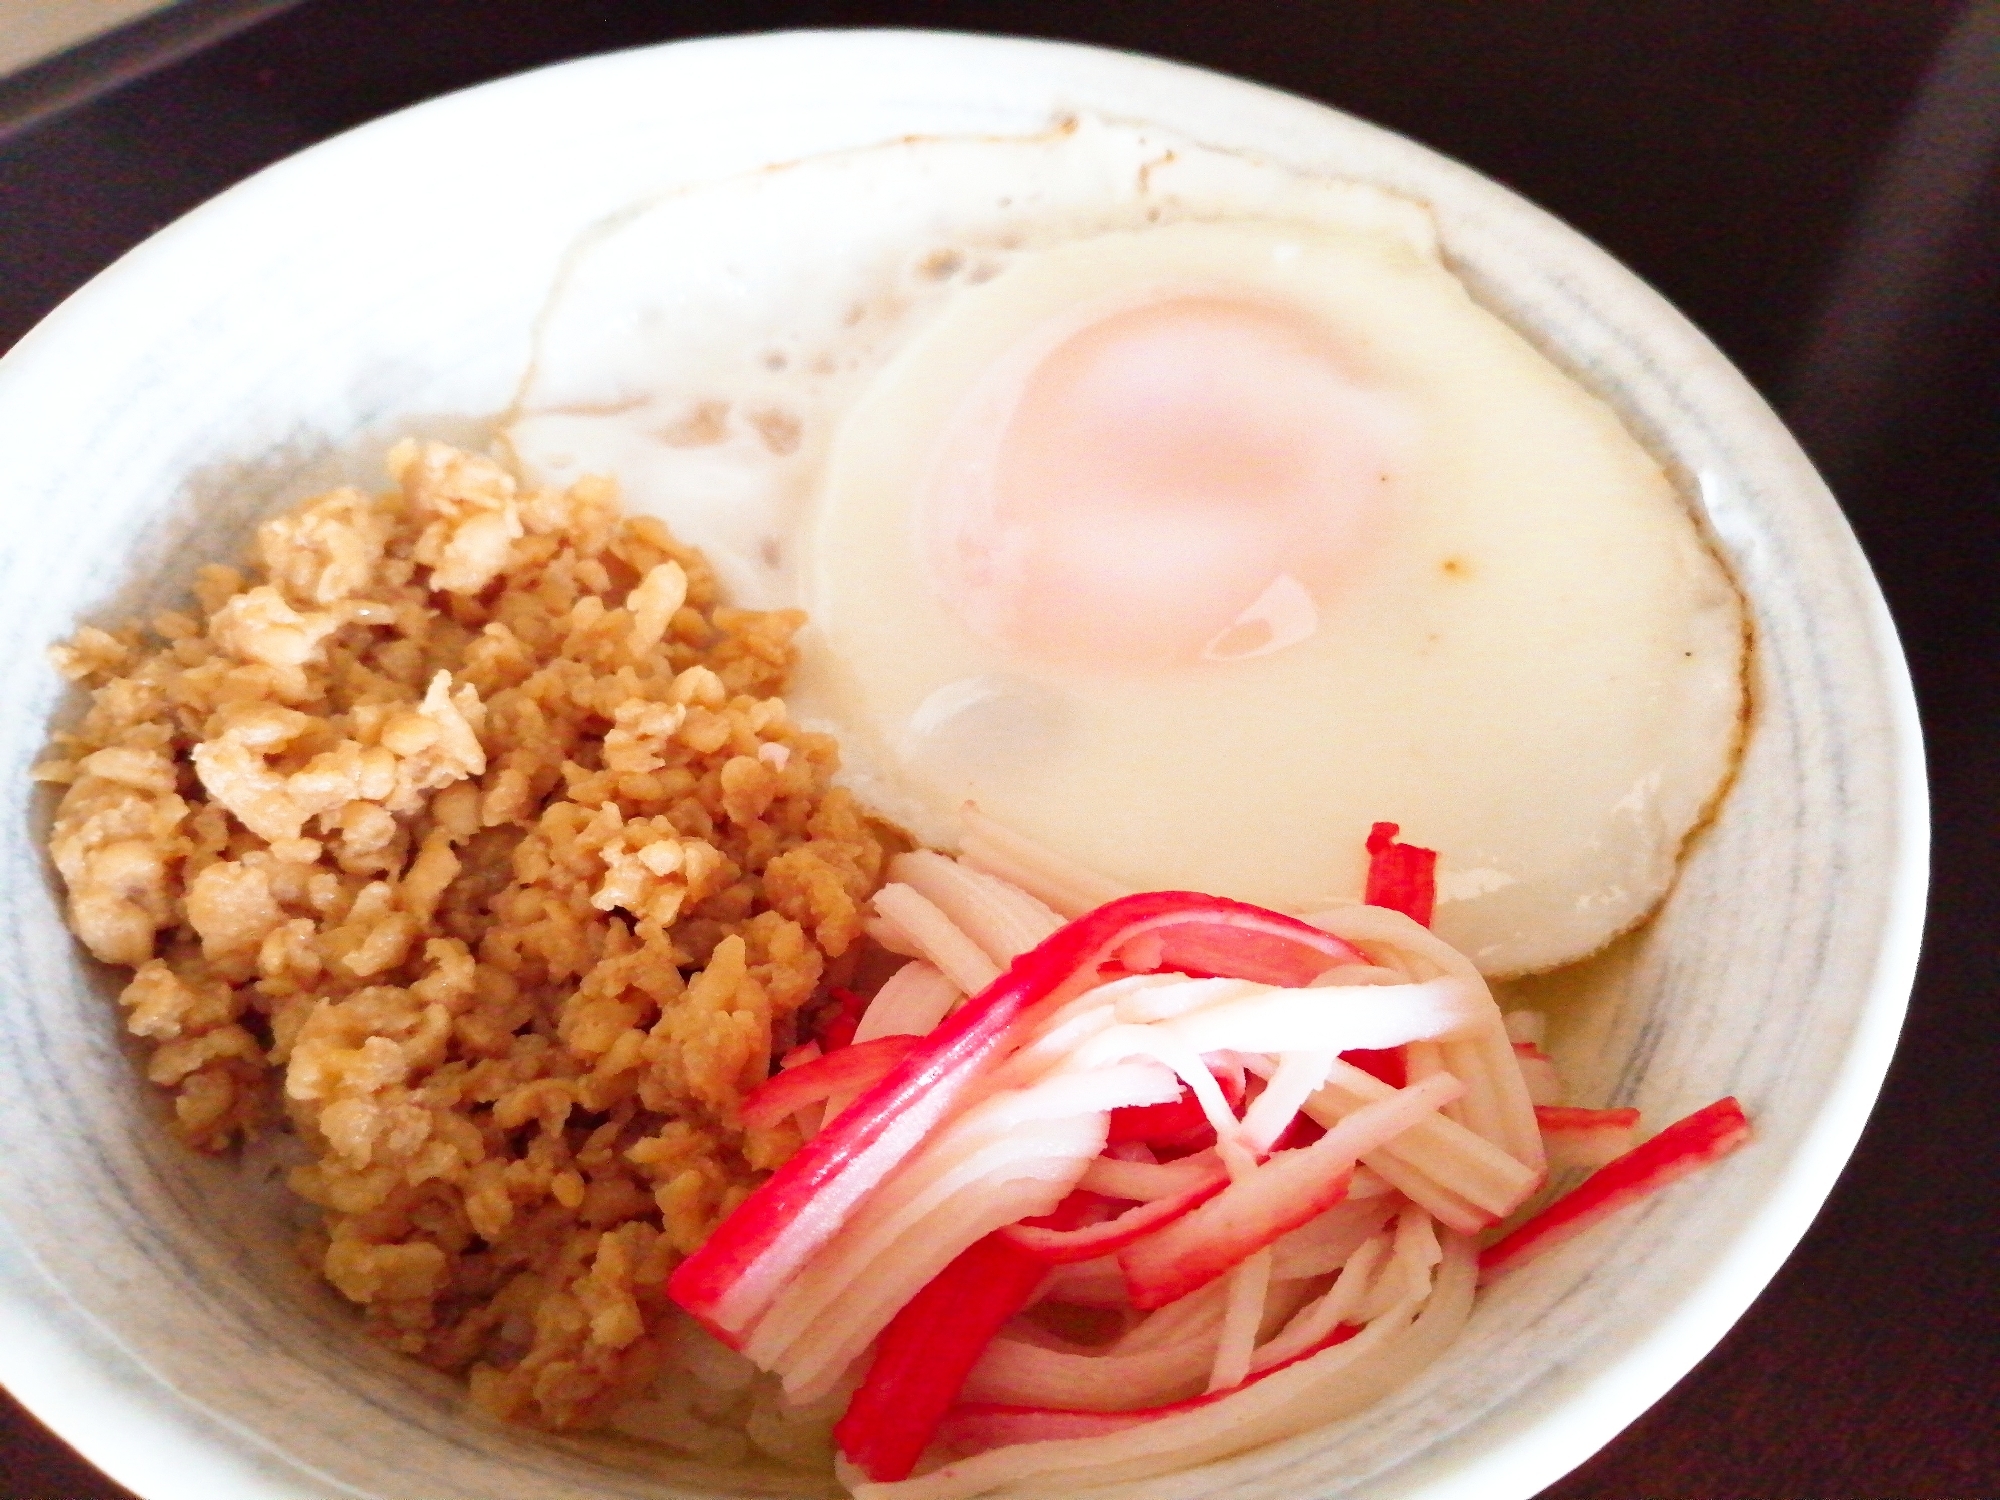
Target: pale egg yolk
pixel 1176 481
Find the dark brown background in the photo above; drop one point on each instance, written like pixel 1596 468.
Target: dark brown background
pixel 1812 181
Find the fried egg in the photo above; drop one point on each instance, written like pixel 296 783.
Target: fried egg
pixel 1183 511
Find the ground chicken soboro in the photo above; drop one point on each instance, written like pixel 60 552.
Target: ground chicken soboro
pixel 467 829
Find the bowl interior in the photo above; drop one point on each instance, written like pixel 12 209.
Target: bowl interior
pixel 387 282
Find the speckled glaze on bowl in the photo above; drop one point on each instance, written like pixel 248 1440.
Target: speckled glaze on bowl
pixel 387 281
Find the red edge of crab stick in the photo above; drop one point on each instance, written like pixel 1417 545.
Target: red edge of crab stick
pixel 1391 1065
pixel 1192 931
pixel 1687 1145
pixel 1061 1247
pixel 1558 1117
pixel 977 1426
pixel 854 1065
pixel 926 1352
pixel 1179 1124
pixel 1283 1192
pixel 1169 1122
pixel 845 1019
pixel 1401 877
pixel 1588 1138
pixel 1278 1195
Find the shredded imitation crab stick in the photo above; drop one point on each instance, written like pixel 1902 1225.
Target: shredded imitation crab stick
pixel 1258 1146
pixel 848 1069
pixel 927 1351
pixel 1401 876
pixel 1687 1145
pixel 735 1277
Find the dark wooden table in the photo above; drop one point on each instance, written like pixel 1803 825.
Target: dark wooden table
pixel 1815 182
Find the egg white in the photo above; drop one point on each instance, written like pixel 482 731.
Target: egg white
pixel 703 346
pixel 1535 667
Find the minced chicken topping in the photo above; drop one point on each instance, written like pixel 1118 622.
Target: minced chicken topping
pixel 466 832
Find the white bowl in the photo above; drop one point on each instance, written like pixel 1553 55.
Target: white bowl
pixel 150 1309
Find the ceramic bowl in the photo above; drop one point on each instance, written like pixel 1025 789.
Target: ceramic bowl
pixel 151 1309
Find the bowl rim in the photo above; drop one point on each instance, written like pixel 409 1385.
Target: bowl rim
pixel 74 1374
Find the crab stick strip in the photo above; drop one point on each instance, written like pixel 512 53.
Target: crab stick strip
pixel 1687 1145
pixel 1279 1195
pixel 1585 1137
pixel 1437 1153
pixel 846 1071
pixel 1066 888
pixel 937 937
pixel 1002 919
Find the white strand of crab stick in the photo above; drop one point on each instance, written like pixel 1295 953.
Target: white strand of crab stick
pixel 1390 938
pixel 1298 1076
pixel 1479 1110
pixel 1178 996
pixel 1465 1165
pixel 910 1003
pixel 1001 918
pixel 1058 1035
pixel 1142 1182
pixel 1087 1283
pixel 1055 1045
pixel 1450 1209
pixel 890 936
pixel 1065 887
pixel 1408 1273
pixel 1279 1020
pixel 1249 1284
pixel 1176 1320
pixel 1496 1105
pixel 1008 1169
pixel 1351 976
pixel 1321 1246
pixel 1369 1183
pixel 1504 1090
pixel 1028 908
pixel 1544 1083
pixel 1018 1370
pixel 815 1365
pixel 1422 1059
pixel 1416 1236
pixel 937 937
pixel 1316 1320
